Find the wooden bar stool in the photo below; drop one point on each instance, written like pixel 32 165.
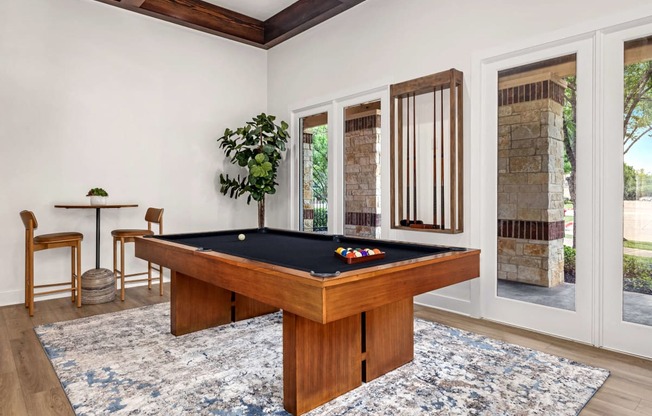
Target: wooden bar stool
pixel 152 216
pixel 45 242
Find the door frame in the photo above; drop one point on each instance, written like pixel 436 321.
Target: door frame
pixel 578 324
pixel 296 175
pixel 335 110
pixel 382 95
pixel 616 334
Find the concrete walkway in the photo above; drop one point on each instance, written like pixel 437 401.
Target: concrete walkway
pixel 637 307
pixel 637 252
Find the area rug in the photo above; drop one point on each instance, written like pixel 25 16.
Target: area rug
pixel 128 363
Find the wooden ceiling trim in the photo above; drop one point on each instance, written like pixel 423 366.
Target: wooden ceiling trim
pixel 206 17
pixel 301 16
pixel 132 3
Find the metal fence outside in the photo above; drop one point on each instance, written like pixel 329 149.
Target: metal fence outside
pixel 320 222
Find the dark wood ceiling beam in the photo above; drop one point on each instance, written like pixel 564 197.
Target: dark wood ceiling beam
pixel 132 3
pixel 301 16
pixel 206 17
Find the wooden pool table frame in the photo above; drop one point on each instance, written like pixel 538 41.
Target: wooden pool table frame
pixel 337 331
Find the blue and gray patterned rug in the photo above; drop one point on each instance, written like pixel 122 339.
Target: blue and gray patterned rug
pixel 128 363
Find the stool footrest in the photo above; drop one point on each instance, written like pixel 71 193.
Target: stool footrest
pixel 118 274
pixel 140 280
pixel 55 291
pixel 52 285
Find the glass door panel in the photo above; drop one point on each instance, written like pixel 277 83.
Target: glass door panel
pixel 627 222
pixel 314 173
pixel 637 182
pixel 537 214
pixel 362 185
pixel 537 119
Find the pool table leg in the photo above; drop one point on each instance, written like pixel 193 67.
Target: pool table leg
pixel 389 335
pixel 324 361
pixel 246 307
pixel 320 361
pixel 197 305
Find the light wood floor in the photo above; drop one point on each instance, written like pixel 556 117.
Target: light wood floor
pixel 29 386
pixel 627 391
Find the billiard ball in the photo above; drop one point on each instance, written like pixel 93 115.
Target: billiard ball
pixel 241 237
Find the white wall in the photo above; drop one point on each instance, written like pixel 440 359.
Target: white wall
pixel 92 95
pixel 381 42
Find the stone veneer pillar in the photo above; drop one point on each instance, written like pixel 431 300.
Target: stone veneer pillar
pixel 308 208
pixel 530 183
pixel 362 175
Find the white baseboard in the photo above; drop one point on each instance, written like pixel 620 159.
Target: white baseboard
pixel 12 297
pixel 447 303
pixel 17 297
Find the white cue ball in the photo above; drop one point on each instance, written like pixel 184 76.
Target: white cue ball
pixel 241 237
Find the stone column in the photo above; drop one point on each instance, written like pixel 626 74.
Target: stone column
pixel 362 175
pixel 308 209
pixel 530 182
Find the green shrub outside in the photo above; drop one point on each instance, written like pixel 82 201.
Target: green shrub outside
pixel 569 260
pixel 636 267
pixel 637 271
pixel 321 218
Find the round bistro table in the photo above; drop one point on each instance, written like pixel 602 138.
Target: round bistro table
pixel 98 284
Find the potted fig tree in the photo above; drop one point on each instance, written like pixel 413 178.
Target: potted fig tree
pixel 256 147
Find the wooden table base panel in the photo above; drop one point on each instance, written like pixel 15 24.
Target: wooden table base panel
pixel 389 336
pixel 320 361
pixel 246 307
pixel 197 305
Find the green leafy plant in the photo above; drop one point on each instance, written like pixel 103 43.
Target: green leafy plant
pixel 257 147
pixel 569 259
pixel 97 192
pixel 569 264
pixel 320 218
pixel 637 271
pixel 637 274
pixel 635 267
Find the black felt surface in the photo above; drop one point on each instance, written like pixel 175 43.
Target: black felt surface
pixel 301 251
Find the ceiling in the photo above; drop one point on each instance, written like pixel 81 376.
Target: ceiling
pixel 258 9
pixel 260 23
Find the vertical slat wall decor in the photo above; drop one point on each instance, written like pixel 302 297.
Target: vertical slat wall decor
pixel 427 139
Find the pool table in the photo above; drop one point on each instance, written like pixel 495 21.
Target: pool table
pixel 343 324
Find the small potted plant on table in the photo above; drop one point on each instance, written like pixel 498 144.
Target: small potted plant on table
pixel 98 196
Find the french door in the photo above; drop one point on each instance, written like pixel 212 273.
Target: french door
pixel 337 178
pixel 315 177
pixel 537 190
pixel 570 257
pixel 627 190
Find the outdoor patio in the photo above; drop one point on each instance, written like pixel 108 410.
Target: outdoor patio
pixel 637 306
